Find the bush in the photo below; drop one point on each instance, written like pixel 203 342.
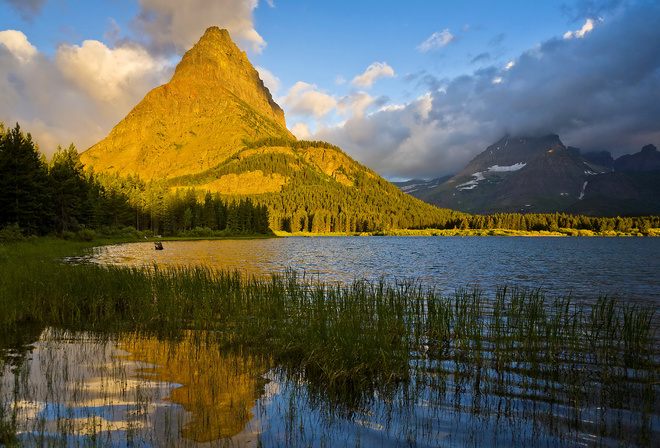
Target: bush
pixel 11 232
pixel 85 235
pixel 68 235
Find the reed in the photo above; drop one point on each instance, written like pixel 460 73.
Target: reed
pixel 349 342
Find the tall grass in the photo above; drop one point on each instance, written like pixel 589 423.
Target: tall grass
pixel 348 342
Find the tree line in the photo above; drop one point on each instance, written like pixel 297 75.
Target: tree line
pixel 40 197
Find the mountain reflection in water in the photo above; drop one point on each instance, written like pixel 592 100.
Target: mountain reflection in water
pixel 218 389
pixel 74 388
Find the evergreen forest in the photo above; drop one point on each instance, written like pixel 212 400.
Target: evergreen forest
pixel 40 197
pixel 59 197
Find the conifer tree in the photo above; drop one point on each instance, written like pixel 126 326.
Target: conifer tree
pixel 23 183
pixel 69 188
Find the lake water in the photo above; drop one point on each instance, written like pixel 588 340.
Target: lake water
pixel 584 267
pixel 129 389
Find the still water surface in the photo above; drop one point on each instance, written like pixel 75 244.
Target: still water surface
pixel 583 267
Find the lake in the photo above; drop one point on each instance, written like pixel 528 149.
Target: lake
pixel 493 386
pixel 584 267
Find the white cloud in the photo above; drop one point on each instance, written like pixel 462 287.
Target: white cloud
pixel 374 72
pixel 437 40
pixel 108 74
pixel 392 108
pixel 271 81
pixel 18 44
pixel 340 80
pixel 497 80
pixel 75 97
pixel 173 25
pixel 586 28
pixel 510 65
pixel 306 99
pixel 593 103
pixel 301 131
pixel 356 103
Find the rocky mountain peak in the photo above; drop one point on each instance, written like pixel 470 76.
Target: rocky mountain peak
pixel 511 151
pixel 213 103
pixel 216 61
pixel 648 159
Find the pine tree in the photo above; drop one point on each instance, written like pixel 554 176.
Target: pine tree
pixel 24 192
pixel 69 188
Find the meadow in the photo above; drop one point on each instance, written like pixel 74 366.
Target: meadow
pixel 529 368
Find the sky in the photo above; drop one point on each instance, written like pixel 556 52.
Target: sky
pixel 411 89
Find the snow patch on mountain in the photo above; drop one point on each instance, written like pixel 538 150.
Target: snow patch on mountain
pixel 584 188
pixel 478 177
pixel 502 169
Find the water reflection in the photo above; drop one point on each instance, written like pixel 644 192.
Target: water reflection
pixel 77 388
pixel 218 388
pixel 82 389
pixel 73 387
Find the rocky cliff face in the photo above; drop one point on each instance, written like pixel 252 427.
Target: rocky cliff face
pixel 215 58
pixel 214 101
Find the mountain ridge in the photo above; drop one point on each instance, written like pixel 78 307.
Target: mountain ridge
pixel 541 175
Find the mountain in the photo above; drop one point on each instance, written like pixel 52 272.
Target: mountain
pixel 419 187
pixel 213 102
pixel 541 175
pixel 214 127
pixel 648 159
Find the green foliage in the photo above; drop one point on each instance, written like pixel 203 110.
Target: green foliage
pixel 24 193
pixel 563 223
pixel 40 198
pixel 11 233
pixel 68 186
pixel 288 143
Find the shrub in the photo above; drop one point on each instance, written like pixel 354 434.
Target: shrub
pixel 11 232
pixel 85 235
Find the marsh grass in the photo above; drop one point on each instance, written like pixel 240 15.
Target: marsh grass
pixel 349 343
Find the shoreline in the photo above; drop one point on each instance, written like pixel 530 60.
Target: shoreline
pixel 475 232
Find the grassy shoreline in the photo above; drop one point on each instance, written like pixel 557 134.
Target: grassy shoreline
pixel 349 342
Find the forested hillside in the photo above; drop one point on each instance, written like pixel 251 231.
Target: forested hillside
pixel 38 198
pixel 61 197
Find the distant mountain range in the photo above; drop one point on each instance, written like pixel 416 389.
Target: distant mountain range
pixel 541 175
pixel 214 127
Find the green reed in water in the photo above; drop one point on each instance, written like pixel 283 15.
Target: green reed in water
pixel 347 342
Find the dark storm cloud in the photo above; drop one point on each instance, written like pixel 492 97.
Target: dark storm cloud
pixel 597 92
pixel 26 8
